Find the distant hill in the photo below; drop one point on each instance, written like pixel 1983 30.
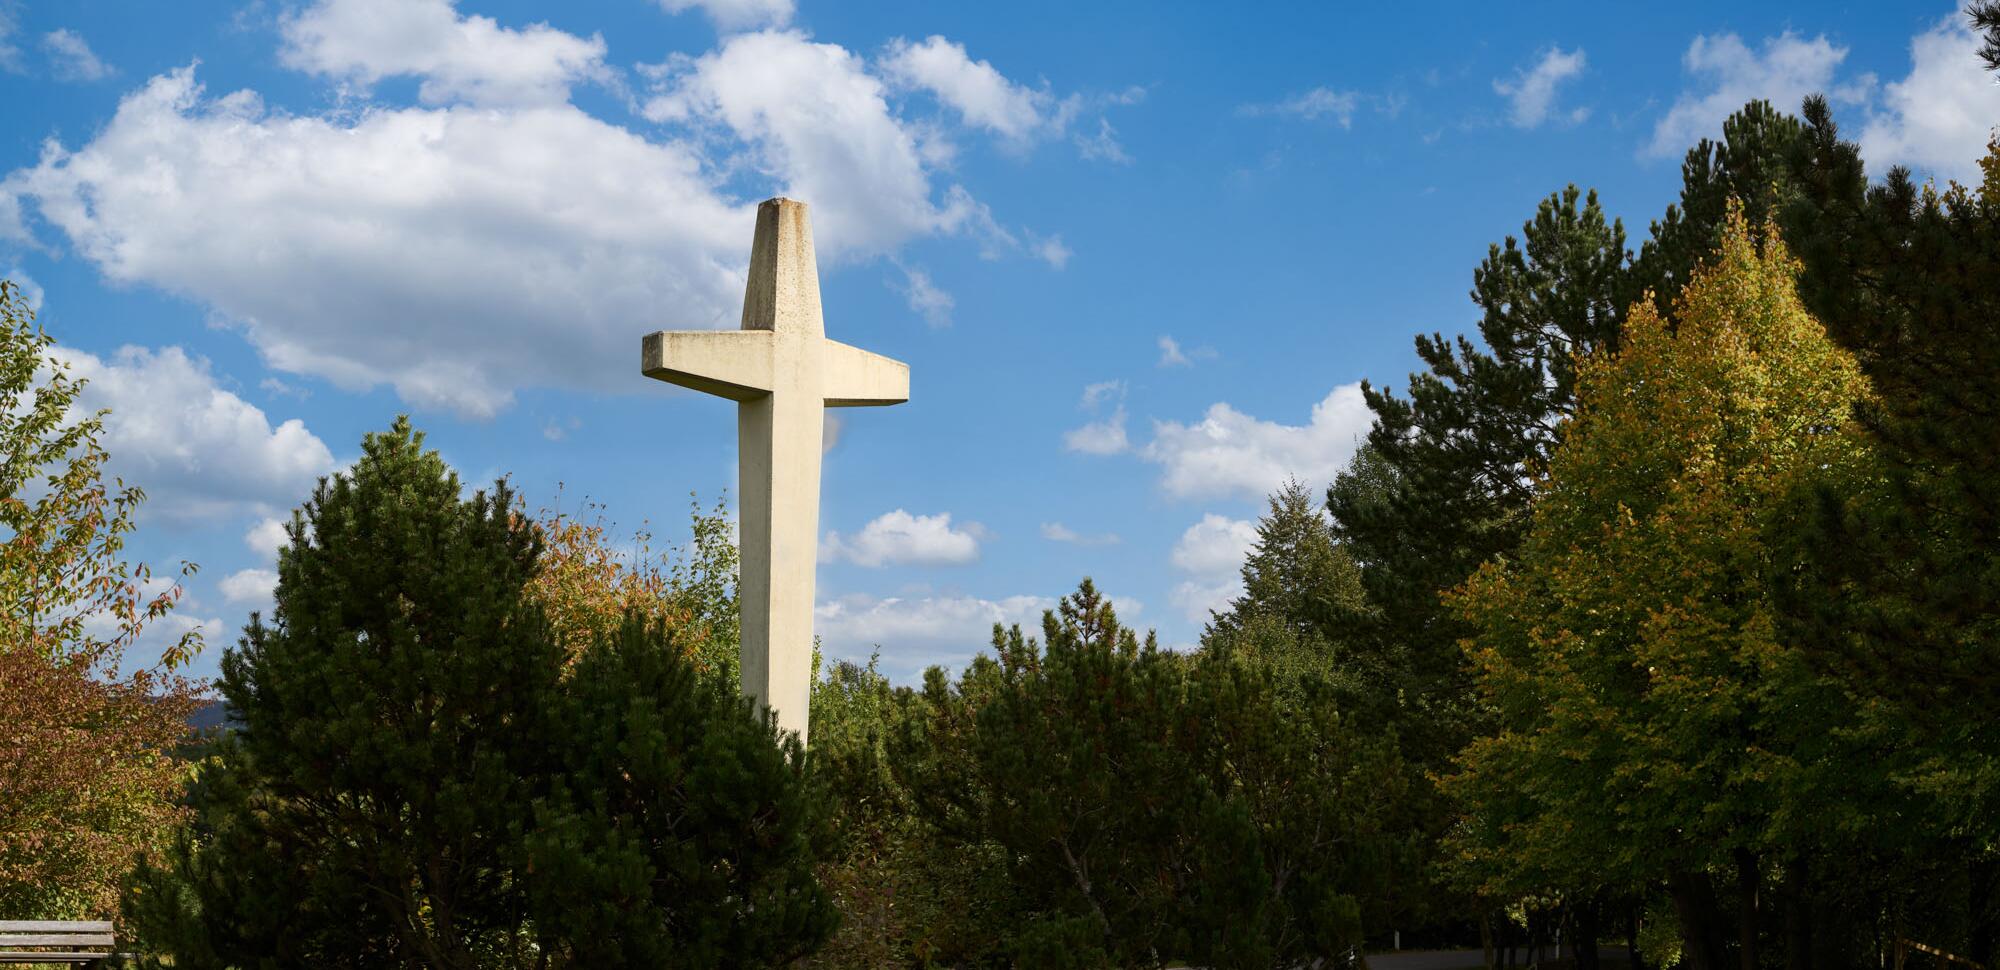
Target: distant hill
pixel 210 716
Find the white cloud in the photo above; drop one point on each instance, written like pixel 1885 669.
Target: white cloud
pixel 737 14
pixel 1938 119
pixel 817 123
pixel 367 250
pixel 1172 354
pixel 1211 552
pixel 1106 437
pixel 1100 392
pixel 1228 452
pixel 899 538
pixel 924 297
pixel 1058 532
pixel 1050 250
pixel 460 58
pixel 1786 69
pixel 1531 93
pixel 248 586
pixel 1103 146
pixel 1320 102
pixel 463 251
pixel 71 57
pixel 199 451
pixel 267 536
pixel 10 52
pixel 915 632
pixel 31 291
pixel 1214 546
pixel 829 434
pixel 980 94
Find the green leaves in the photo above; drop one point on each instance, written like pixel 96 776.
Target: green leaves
pixel 1652 719
pixel 420 779
pixel 1152 806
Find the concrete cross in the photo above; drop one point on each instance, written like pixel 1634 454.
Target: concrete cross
pixel 781 371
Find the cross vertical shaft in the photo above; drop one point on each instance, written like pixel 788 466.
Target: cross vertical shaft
pixel 782 372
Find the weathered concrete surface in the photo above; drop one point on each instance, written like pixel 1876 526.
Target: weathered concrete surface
pixel 781 371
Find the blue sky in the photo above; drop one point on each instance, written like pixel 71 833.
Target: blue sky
pixel 1137 255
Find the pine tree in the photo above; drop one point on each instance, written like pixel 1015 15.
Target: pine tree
pixel 682 828
pixel 1152 807
pixel 1902 597
pixel 416 782
pixel 1295 573
pixel 394 721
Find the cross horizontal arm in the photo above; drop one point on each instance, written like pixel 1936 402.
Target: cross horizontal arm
pixel 735 364
pixel 855 378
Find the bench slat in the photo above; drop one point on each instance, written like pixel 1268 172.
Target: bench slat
pixel 53 957
pixel 9 941
pixel 55 926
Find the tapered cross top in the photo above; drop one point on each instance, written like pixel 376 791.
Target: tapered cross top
pixel 781 371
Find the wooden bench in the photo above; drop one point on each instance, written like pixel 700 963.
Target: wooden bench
pixel 87 942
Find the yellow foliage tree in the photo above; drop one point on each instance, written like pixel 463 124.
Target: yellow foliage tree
pixel 1653 724
pixel 588 581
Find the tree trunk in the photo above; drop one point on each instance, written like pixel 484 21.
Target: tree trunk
pixel 1486 938
pixel 1584 923
pixel 1798 903
pixel 1693 895
pixel 1981 912
pixel 1632 955
pixel 1748 881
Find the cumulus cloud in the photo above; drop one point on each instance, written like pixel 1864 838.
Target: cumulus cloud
pixel 737 14
pixel 1228 452
pixel 1531 93
pixel 1728 74
pixel 199 451
pixel 251 587
pixel 364 250
pixel 981 95
pixel 817 123
pixel 1058 532
pixel 71 58
pixel 365 247
pixel 460 58
pixel 918 631
pixel 1937 119
pixel 266 537
pixel 899 538
pixel 1105 437
pixel 1211 553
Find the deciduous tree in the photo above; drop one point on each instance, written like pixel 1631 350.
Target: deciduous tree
pixel 87 773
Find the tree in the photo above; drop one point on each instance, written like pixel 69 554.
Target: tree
pixel 1151 807
pixel 87 776
pixel 906 897
pixel 1903 600
pixel 1653 722
pixel 415 781
pixel 1295 573
pixel 683 828
pixel 588 586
